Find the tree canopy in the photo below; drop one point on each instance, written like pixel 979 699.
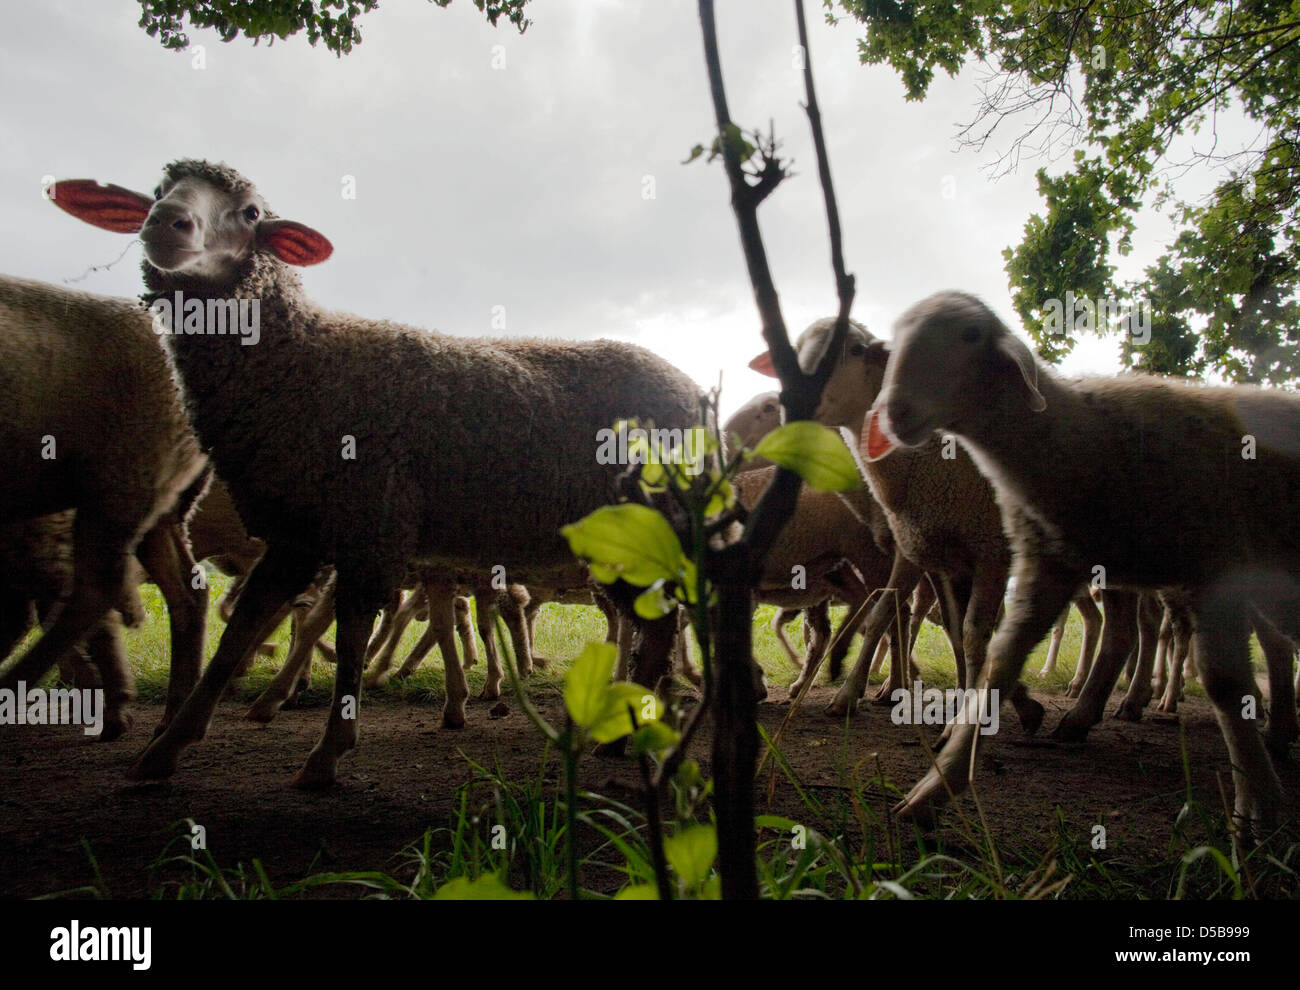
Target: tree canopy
pixel 333 22
pixel 1139 91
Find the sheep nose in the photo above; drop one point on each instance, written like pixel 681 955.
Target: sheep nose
pixel 177 218
pixel 900 412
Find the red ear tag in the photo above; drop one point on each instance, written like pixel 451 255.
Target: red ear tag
pixel 876 444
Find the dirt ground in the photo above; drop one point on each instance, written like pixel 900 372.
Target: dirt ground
pixel 58 788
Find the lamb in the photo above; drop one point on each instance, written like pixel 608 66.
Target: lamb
pixel 366 444
pixel 940 511
pixel 90 420
pixel 1081 472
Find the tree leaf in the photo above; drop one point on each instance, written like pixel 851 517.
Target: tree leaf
pixel 815 453
pixel 632 540
pixel 586 685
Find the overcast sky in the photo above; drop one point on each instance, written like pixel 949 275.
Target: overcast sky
pixel 522 186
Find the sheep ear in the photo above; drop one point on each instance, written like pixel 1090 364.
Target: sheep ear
pixel 293 243
pixel 107 207
pixel 763 364
pixel 1013 347
pixel 875 444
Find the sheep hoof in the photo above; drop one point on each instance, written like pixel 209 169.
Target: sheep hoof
pixel 158 762
pixel 1168 705
pixel 266 650
pixel 840 707
pixel 262 711
pixel 115 726
pixel 540 662
pixel 1031 715
pixel 1129 712
pixel 315 775
pixel 796 687
pixel 453 719
pixel 1073 690
pixel 373 682
pixel 884 695
pixel 490 692
pixel 234 688
pixel 1068 730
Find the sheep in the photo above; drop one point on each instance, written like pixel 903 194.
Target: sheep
pixel 36 567
pixel 841 526
pixel 90 420
pixel 939 509
pixel 1082 471
pixel 366 444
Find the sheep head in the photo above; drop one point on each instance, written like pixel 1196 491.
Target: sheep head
pixel 949 352
pixel 203 222
pixel 855 378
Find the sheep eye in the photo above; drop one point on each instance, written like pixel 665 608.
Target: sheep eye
pixel 857 350
pixel 252 213
pixel 157 192
pixel 970 335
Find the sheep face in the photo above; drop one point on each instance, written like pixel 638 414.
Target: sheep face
pixel 855 379
pixel 754 420
pixel 203 222
pixel 949 351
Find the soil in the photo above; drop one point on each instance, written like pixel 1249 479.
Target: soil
pixel 58 788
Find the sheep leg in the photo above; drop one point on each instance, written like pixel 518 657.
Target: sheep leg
pixel 1150 614
pixel 278 576
pixel 355 622
pixel 99 572
pixel 1164 655
pixel 165 554
pixel 377 675
pixel 683 649
pixel 1221 647
pixel 465 631
pixel 1279 654
pixel 1092 625
pixel 1180 648
pixel 297 665
pixel 818 622
pixel 903 577
pixel 430 638
pixel 982 613
pixel 1043 589
pixel 780 620
pixel 385 627
pixel 1054 647
pixel 441 630
pixel 513 610
pixel 492 685
pixel 1117 641
pixel 109 656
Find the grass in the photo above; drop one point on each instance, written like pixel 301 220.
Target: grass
pixel 843 851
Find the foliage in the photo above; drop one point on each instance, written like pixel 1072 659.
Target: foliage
pixel 1153 77
pixel 333 22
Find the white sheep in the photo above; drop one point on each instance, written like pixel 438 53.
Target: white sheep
pixel 1159 483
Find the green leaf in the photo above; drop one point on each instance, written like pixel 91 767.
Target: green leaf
pixel 653 603
pixel 488 887
pixel 815 453
pixel 695 153
pixel 614 721
pixel 638 892
pixel 691 853
pixel 587 683
pixel 634 541
pixel 654 737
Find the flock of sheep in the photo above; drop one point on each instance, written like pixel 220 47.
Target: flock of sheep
pixel 357 455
